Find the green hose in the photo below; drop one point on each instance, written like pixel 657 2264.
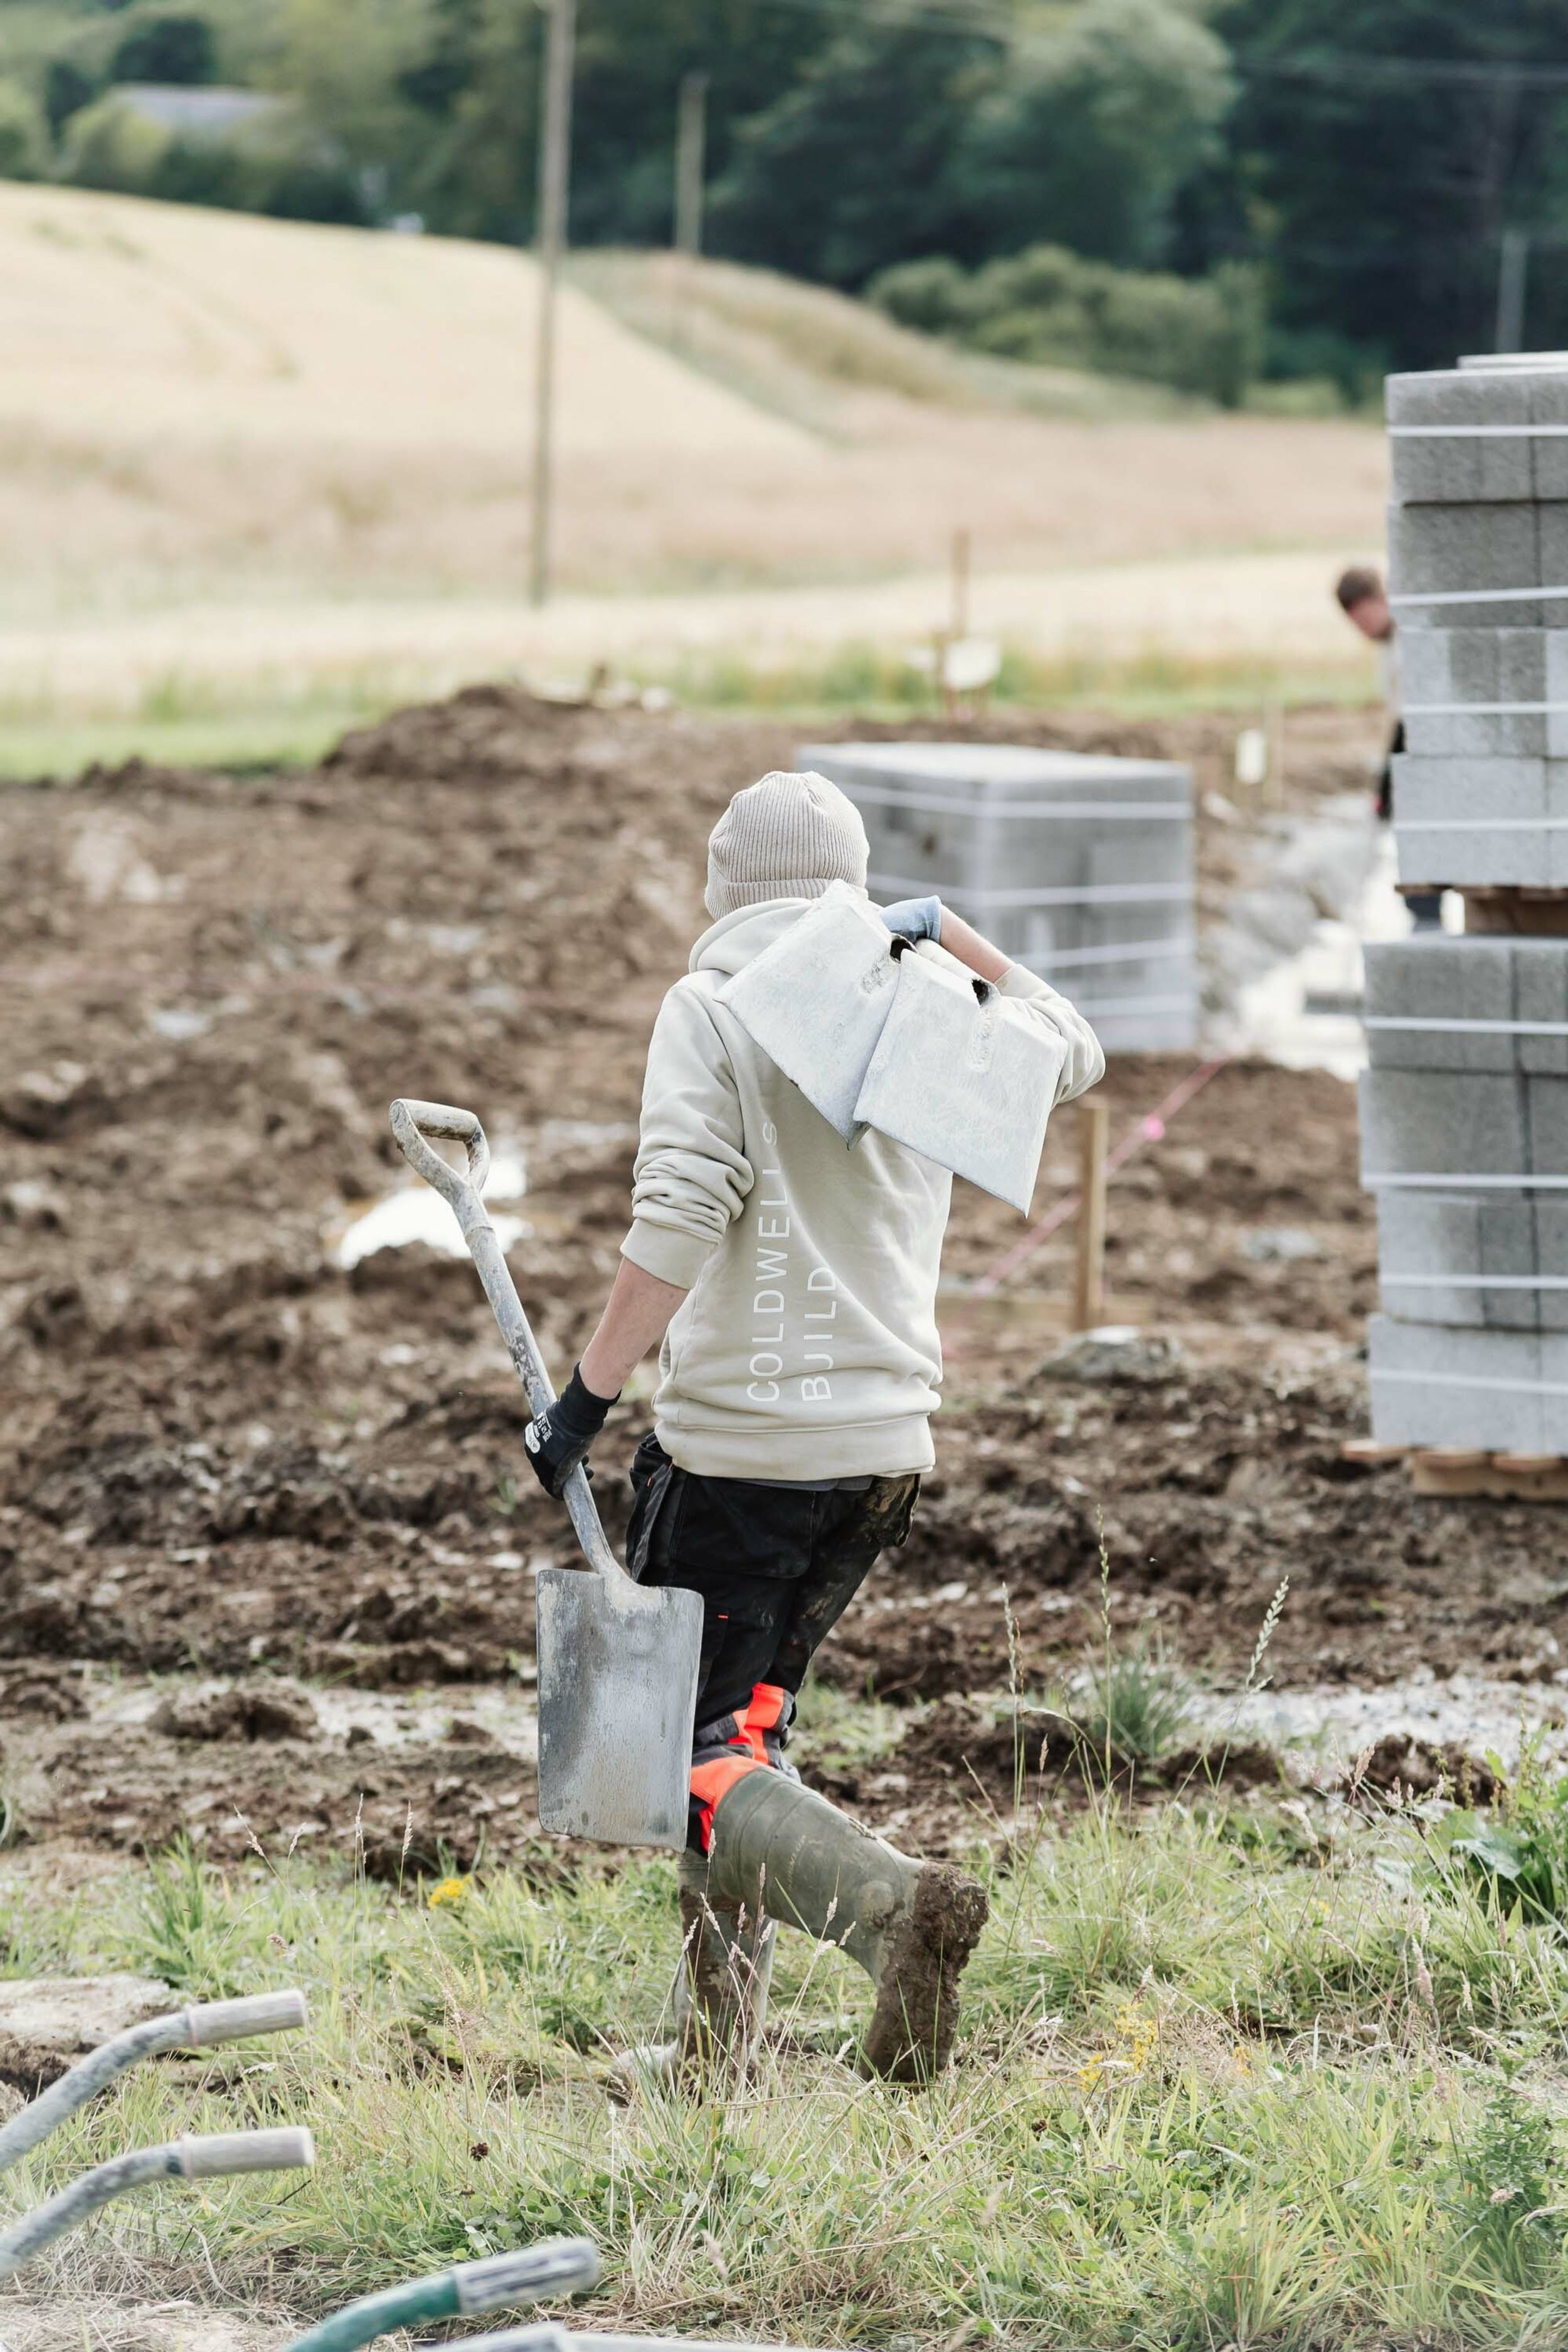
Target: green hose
pixel 559 2266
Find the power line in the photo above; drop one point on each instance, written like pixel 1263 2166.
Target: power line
pixel 1399 72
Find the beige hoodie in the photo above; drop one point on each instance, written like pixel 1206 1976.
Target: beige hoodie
pixel 807 1347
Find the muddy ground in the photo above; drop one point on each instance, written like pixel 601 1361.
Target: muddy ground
pixel 222 1455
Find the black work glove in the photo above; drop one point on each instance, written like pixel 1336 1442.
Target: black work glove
pixel 557 1441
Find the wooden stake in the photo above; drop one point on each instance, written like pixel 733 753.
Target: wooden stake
pixel 1274 775
pixel 1088 1279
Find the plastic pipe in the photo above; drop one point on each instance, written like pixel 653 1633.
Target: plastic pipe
pixel 558 2266
pixel 200 2028
pixel 181 2159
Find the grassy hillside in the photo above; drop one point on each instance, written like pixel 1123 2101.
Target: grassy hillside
pixel 251 468
pixel 805 350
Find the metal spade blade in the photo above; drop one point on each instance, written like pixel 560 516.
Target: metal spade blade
pixel 617 1662
pixel 618 1687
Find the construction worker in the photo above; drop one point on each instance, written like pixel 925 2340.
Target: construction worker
pixel 793 1283
pixel 1364 599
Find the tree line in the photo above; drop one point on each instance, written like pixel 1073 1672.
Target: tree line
pixel 1301 187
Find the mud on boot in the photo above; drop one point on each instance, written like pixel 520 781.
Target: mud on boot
pixel 911 1926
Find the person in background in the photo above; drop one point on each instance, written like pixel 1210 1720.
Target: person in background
pixel 1363 601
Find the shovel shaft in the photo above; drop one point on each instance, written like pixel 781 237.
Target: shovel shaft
pixel 412 1124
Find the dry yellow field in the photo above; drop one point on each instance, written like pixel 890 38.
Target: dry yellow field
pixel 254 459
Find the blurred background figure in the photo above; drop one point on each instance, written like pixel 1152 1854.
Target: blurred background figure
pixel 1364 599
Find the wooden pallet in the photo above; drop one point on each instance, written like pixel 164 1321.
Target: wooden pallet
pixel 1500 908
pixel 1509 1477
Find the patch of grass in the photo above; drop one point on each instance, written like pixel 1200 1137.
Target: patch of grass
pixel 1136 1708
pixel 1203 2096
pixel 243 741
pixel 840 1732
pixel 881 681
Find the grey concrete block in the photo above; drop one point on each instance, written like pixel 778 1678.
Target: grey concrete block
pixel 1549 405
pixel 1555 680
pixel 1472 821
pixel 1546 1126
pixel 1442 1123
pixel 1554 1400
pixel 1444 551
pixel 1449 790
pixel 1435 1250
pixel 1422 1237
pixel 1436 857
pixel 1462 469
pixel 1551 555
pixel 1541 993
pixel 1507 1251
pixel 1435 1385
pixel 1439 978
pixel 1458 686
pixel 1551 1259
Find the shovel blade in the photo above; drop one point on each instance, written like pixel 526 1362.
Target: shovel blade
pixel 617 1690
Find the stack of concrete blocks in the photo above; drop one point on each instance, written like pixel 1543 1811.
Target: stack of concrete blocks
pixel 1479 520
pixel 1465 1108
pixel 1079 867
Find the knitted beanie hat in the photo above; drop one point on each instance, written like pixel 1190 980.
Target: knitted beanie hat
pixel 785 836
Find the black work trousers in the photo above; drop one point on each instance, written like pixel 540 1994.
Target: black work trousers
pixel 776 1566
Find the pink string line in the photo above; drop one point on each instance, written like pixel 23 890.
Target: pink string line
pixel 1150 1128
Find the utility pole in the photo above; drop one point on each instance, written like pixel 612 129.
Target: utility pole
pixel 1513 261
pixel 690 143
pixel 554 172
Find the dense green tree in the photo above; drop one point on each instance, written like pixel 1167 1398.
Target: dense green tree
pixel 23 132
pixel 1383 146
pixel 850 169
pixel 343 63
pixel 900 140
pixel 67 89
pixel 1090 137
pixel 166 49
pixel 477 89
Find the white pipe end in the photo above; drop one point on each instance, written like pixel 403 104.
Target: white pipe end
pixel 230 2021
pixel 290 2149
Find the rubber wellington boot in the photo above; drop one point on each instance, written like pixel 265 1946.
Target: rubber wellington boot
pixel 719 2003
pixel 722 1995
pixel 911 1926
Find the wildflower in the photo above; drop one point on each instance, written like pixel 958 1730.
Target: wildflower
pixel 1139 2035
pixel 450 1890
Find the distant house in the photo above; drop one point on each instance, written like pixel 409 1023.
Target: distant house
pixel 211 111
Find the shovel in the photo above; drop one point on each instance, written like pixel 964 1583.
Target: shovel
pixel 617 1660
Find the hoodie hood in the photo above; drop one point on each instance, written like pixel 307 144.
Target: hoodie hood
pixel 731 942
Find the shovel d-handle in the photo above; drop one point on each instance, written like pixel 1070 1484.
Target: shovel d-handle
pixel 412 1123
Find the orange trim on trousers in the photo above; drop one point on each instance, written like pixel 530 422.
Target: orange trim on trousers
pixel 712 1782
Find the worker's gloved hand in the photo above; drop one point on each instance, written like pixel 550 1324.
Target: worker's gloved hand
pixel 914 919
pixel 557 1441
